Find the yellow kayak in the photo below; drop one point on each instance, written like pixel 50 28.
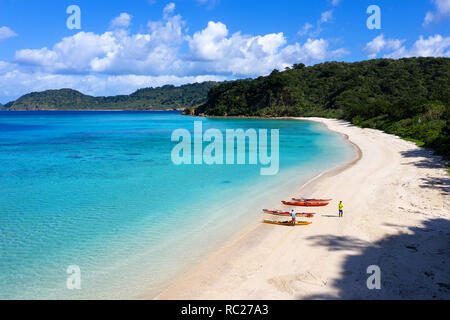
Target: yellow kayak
pixel 287 223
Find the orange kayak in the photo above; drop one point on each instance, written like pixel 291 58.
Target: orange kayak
pixel 287 223
pixel 285 213
pixel 305 204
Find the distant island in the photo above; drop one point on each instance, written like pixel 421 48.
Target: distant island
pixel 409 97
pixel 163 98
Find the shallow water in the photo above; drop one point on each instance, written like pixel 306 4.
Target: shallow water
pixel 99 190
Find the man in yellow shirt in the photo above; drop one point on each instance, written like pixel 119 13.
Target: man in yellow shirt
pixel 341 209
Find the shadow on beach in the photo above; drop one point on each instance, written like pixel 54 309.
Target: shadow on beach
pixel 414 264
pixel 429 161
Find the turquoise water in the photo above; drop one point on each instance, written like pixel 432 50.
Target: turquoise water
pixel 99 190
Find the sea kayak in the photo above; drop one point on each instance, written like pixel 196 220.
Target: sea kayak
pixel 286 213
pixel 305 204
pixel 311 200
pixel 287 223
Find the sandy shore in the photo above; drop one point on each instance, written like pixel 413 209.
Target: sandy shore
pixel 396 216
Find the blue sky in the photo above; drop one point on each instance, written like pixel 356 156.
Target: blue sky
pixel 126 45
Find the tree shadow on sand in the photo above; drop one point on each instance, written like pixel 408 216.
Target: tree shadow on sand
pixel 414 264
pixel 428 158
pixel 429 161
pixel 437 183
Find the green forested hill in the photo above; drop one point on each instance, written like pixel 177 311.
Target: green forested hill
pixel 166 97
pixel 408 97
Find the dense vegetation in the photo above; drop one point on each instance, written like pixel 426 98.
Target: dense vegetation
pixel 166 97
pixel 407 97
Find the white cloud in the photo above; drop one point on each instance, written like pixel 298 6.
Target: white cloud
pixel 379 44
pixel 428 18
pixel 442 11
pixel 72 54
pixel 119 60
pixel 169 9
pixel 434 46
pixel 6 33
pixel 312 51
pixel 210 3
pixel 335 2
pixel 443 6
pixel 5 67
pixel 158 52
pixel 325 17
pixel 210 43
pixel 213 50
pixel 270 43
pixel 113 52
pixel 122 21
pixel 304 30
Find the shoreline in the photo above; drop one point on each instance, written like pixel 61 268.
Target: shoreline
pixel 246 268
pixel 252 225
pixel 342 167
pixel 305 188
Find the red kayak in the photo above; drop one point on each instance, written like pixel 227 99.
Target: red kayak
pixel 311 200
pixel 305 204
pixel 285 213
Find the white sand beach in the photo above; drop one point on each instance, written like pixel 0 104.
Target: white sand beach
pixel 396 216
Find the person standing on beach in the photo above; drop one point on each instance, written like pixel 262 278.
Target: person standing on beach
pixel 293 215
pixel 341 209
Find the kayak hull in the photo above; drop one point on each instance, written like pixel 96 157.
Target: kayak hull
pixel 288 214
pixel 305 204
pixel 287 223
pixel 311 200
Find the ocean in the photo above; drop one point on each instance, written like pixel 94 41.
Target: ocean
pixel 98 190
